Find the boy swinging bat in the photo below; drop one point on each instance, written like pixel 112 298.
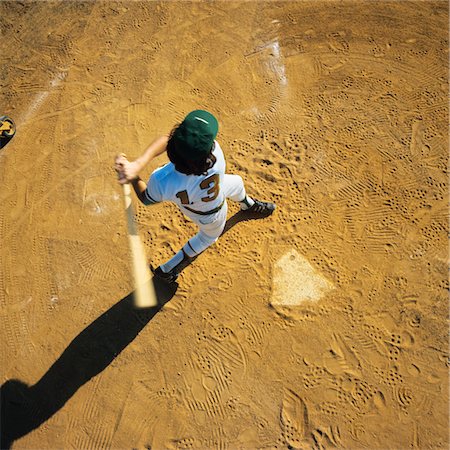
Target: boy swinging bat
pixel 195 180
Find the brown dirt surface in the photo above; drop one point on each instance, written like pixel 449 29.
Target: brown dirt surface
pixel 322 326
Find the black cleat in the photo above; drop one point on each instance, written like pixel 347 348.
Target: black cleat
pixel 169 277
pixel 261 209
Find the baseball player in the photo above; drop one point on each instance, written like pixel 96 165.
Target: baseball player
pixel 195 180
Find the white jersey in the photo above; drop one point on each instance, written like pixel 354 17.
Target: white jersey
pixel 196 195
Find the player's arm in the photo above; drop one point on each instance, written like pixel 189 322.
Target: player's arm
pixel 129 170
pixel 149 193
pixel 140 187
pixel 156 148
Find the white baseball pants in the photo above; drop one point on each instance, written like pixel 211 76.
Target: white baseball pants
pixel 211 227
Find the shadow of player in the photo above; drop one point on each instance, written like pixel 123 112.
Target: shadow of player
pixel 240 216
pixel 24 408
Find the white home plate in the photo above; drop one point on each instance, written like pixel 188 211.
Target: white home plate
pixel 296 281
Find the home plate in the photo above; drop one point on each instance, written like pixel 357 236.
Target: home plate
pixel 296 281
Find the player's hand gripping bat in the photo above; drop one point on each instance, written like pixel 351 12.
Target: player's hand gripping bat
pixel 144 291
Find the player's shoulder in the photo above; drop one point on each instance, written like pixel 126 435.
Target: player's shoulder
pixel 164 171
pixel 164 176
pixel 163 180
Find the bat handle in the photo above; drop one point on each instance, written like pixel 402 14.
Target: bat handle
pixel 126 189
pixel 127 194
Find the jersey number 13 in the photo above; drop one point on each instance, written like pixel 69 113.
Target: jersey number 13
pixel 210 184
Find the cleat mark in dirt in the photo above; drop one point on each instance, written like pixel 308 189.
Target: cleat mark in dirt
pixel 342 358
pixel 326 437
pixel 294 418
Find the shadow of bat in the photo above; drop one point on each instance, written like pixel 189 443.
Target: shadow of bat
pixel 24 408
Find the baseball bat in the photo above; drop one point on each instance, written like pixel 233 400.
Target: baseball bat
pixel 144 291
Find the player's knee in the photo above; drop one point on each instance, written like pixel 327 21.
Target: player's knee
pixel 207 240
pixel 198 244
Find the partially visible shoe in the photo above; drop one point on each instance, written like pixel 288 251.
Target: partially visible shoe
pixel 262 209
pixel 7 130
pixel 169 277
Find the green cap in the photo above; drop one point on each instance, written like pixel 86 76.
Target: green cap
pixel 195 136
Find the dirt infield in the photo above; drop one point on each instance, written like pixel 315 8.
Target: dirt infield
pixel 322 326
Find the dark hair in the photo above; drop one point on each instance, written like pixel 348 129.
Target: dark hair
pixel 188 167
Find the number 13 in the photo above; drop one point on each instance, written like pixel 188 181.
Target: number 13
pixel 211 184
